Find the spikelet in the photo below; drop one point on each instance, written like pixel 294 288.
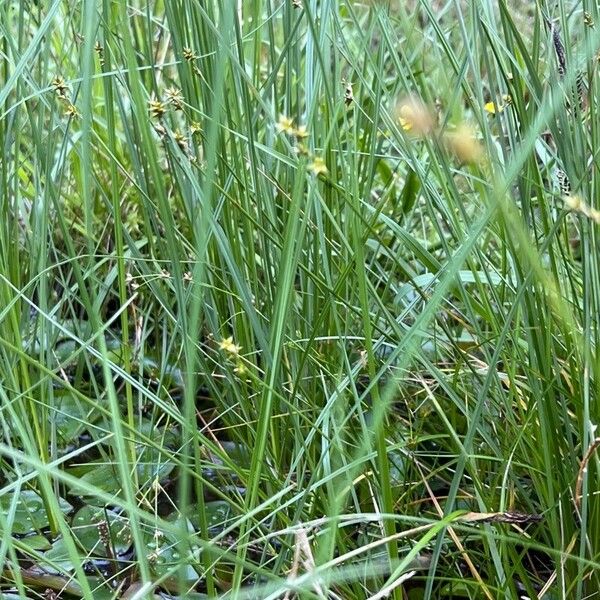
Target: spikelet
pixel 563 182
pixel 581 90
pixel 561 60
pixel 559 49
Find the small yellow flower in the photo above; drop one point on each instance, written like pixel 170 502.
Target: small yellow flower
pixel 493 108
pixel 195 127
pixel 228 346
pixel 318 166
pixel 405 123
pixel 285 125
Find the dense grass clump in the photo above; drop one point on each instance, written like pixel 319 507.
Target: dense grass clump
pixel 299 299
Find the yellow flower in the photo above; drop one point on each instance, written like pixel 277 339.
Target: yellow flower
pixel 493 108
pixel 285 125
pixel 228 346
pixel 405 124
pixel 318 166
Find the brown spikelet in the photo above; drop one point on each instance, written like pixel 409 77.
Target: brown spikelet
pixel 581 90
pixel 583 469
pixel 563 182
pixel 348 94
pixel 561 59
pixel 500 517
pixel 559 49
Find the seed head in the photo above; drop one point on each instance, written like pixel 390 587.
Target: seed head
pixel 463 143
pixel 348 94
pixel 285 125
pixel 174 97
pixel 229 347
pixel 559 50
pixel 573 202
pixel 318 166
pixel 60 87
pixel 157 108
pixel 99 49
pixel 71 111
pixel 563 182
pixel 301 132
pixel 181 141
pixel 189 54
pixel 414 116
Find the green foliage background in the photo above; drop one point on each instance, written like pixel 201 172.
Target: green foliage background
pixel 262 338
